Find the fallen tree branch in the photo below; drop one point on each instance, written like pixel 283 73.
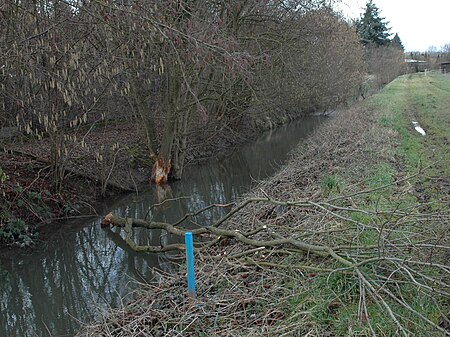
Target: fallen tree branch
pixel 375 267
pixel 128 223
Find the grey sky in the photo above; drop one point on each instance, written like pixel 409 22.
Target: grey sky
pixel 420 24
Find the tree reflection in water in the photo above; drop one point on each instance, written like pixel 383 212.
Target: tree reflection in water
pixel 83 270
pixel 87 274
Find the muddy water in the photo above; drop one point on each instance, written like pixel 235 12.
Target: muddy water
pixel 83 269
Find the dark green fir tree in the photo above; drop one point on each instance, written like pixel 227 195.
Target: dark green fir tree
pixel 397 42
pixel 372 28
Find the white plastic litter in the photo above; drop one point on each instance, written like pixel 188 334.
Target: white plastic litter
pixel 419 128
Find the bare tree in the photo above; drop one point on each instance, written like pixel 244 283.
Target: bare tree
pixel 181 67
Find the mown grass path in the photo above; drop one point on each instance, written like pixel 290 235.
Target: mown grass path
pixel 425 100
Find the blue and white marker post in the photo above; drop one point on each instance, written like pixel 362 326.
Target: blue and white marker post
pixel 190 263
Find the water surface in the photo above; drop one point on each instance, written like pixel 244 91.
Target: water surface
pixel 83 269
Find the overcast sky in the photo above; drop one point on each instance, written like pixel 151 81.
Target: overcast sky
pixel 420 24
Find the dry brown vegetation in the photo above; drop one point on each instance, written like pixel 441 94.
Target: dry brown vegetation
pixel 95 93
pixel 330 246
pixel 175 68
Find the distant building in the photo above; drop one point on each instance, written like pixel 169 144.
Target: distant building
pixel 445 67
pixel 415 66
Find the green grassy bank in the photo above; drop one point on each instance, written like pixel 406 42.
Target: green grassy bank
pixel 425 163
pixel 350 238
pixel 426 100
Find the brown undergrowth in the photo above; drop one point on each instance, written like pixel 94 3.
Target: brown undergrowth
pixel 335 244
pixel 102 161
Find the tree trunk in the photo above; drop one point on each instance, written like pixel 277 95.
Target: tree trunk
pixel 163 164
pixel 180 145
pixel 143 111
pixel 160 171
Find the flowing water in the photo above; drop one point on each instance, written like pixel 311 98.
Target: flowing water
pixel 82 270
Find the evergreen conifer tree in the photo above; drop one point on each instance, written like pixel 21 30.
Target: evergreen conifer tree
pixel 397 42
pixel 371 28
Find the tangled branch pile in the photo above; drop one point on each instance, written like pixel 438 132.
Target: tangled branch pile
pixel 336 258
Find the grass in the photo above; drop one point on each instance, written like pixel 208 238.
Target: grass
pixel 425 99
pixel 382 174
pixel 381 206
pixel 330 183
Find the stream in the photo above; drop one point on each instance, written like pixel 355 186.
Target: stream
pixel 82 270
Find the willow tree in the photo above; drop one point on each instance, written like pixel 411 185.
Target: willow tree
pixel 332 64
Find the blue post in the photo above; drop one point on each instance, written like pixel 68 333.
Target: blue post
pixel 190 263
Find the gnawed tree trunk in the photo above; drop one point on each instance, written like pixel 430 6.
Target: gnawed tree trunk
pixel 160 171
pixel 163 164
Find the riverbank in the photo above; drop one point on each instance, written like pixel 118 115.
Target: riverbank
pixel 349 238
pixel 103 161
